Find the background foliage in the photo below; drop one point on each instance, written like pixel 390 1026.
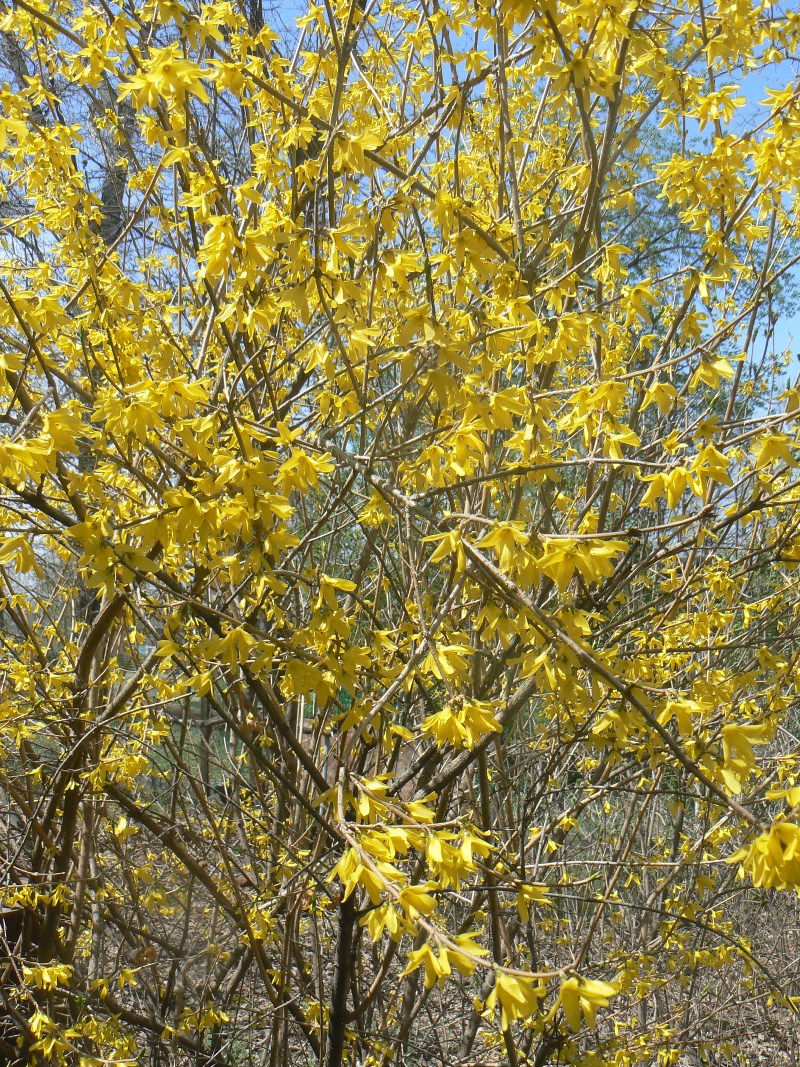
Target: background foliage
pixel 399 531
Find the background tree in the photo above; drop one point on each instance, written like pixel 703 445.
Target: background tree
pixel 399 656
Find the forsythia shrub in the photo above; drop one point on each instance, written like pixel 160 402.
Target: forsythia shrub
pixel 399 530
